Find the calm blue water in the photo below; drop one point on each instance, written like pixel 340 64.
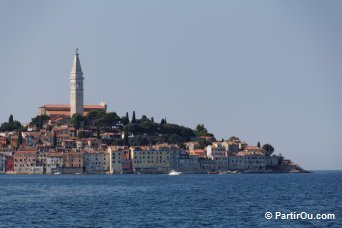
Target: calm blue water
pixel 167 201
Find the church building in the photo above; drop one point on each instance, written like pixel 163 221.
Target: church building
pixel 56 111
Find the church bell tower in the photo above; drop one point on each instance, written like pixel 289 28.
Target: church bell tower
pixel 76 87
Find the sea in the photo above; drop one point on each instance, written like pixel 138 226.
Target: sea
pixel 198 200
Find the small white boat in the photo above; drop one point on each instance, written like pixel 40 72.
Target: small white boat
pixel 174 173
pixel 57 173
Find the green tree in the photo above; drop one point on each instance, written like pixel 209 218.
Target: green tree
pixel 133 118
pixel 162 122
pixel 39 121
pixel 98 132
pixel 144 119
pixel 10 119
pixel 152 119
pixel 124 120
pixel 95 116
pixel 54 139
pixel 109 119
pixel 258 145
pixel 77 120
pixel 268 148
pixel 202 131
pixel 11 125
pixel 127 116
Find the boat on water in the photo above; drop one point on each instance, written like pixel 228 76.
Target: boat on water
pixel 229 172
pixel 57 173
pixel 213 172
pixel 174 173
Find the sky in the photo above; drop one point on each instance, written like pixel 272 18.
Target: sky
pixel 267 71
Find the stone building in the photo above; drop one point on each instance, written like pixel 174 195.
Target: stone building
pixel 120 160
pixel 96 162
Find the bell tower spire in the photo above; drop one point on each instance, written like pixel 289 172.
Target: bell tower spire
pixel 76 86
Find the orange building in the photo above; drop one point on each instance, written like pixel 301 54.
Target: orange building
pixel 73 162
pixel 57 110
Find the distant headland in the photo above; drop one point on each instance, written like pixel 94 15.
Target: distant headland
pixel 87 139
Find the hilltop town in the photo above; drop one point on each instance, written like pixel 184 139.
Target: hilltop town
pixel 87 139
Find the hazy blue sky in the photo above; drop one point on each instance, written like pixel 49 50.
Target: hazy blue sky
pixel 267 71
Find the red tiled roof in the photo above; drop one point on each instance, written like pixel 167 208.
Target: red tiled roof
pixel 66 107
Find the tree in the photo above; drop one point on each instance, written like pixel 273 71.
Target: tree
pixel 98 132
pixel 152 119
pixel 124 120
pixel 203 143
pixel 268 148
pixel 39 121
pixel 162 122
pixel 77 120
pixel 10 119
pixel 54 139
pixel 11 125
pixel 109 119
pixel 202 131
pixel 258 145
pixel 133 118
pixel 127 116
pixel 144 119
pixel 94 117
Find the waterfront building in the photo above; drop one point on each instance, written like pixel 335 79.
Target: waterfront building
pixel 96 162
pixel 25 162
pixel 251 160
pixel 218 154
pixel 9 164
pixel 120 160
pixel 181 161
pixel 150 159
pixel 54 162
pixel 73 162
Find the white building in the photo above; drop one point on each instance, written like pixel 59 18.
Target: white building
pixel 54 162
pixel 255 161
pixel 218 154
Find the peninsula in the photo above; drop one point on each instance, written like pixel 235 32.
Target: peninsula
pixel 76 138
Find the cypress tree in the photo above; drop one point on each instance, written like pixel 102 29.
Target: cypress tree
pixel 127 116
pixel 10 119
pixel 133 118
pixel 98 132
pixel 54 140
pixel 152 119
